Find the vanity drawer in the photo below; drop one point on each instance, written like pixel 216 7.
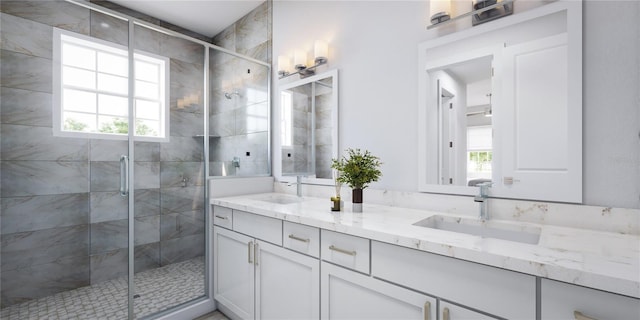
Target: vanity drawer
pixel 257 226
pixel 301 238
pixel 496 291
pixel 222 217
pixel 567 301
pixel 345 250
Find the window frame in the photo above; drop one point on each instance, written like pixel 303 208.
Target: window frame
pixel 106 46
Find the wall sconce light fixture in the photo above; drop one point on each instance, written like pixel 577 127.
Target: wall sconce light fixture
pixel 320 51
pixel 440 11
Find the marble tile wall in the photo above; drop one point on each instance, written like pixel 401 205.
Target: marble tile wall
pixel 241 123
pixel 64 224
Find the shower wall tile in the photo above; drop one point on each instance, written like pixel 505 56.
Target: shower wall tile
pixel 28 178
pixel 27 72
pixel 107 206
pixel 186 124
pixel 182 149
pixel 181 199
pixel 182 49
pixel 146 257
pixel 146 175
pixel 25 36
pixel 36 281
pixel 105 176
pixel 260 52
pixel 25 107
pixel 323 136
pixel 179 225
pixel 109 235
pixel 223 124
pixel 256 144
pixel 109 265
pixel 172 173
pixel 147 151
pixel 109 28
pixel 58 14
pixel 253 118
pixel 147 202
pixel 147 40
pixel 107 150
pixel 222 168
pixel 223 149
pixel 24 249
pixel 37 143
pixel 187 74
pixel 21 214
pixel 253 29
pixel 227 38
pixel 181 249
pixel 146 229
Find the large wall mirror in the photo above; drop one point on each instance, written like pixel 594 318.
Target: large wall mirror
pixel 502 103
pixel 309 127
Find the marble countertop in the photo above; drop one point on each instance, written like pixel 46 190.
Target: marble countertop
pixel 597 259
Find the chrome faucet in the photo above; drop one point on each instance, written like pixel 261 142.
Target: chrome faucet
pixel 483 198
pixel 298 186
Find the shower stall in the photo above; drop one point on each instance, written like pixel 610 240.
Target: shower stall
pixel 110 127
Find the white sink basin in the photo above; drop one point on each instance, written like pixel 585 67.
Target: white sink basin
pixel 484 229
pixel 280 199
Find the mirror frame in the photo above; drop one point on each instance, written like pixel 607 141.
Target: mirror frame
pixel 277 156
pixel 574 31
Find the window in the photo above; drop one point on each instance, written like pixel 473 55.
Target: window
pixel 479 154
pixel 286 119
pixel 91 90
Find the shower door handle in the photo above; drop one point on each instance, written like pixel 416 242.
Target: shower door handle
pixel 124 175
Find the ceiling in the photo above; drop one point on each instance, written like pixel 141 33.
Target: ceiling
pixel 473 70
pixel 207 17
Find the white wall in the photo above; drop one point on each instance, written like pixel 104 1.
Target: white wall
pixel 374 45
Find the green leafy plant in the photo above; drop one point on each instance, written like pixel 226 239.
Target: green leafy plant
pixel 358 168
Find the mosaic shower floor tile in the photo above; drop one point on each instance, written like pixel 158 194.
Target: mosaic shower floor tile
pixel 158 289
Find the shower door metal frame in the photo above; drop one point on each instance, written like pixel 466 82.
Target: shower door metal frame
pixel 132 22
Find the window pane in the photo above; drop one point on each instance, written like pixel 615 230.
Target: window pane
pixel 147 110
pixel 147 71
pixel 147 128
pixel 113 84
pixel 147 90
pixel 109 124
pixel 112 105
pixel 78 78
pixel 76 100
pixel 113 64
pixel 79 122
pixel 78 56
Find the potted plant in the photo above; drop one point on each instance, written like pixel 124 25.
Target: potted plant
pixel 357 169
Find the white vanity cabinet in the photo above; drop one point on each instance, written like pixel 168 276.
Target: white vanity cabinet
pixel 564 301
pixel 258 279
pixel 494 291
pixel 348 294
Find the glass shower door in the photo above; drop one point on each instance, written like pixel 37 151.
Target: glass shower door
pixel 169 178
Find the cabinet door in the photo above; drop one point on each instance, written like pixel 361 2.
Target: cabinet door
pixel 233 271
pixel 350 295
pixel 538 127
pixel 450 311
pixel 287 284
pixel 565 301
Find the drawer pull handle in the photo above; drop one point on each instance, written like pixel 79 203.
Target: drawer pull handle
pixel 334 248
pixel 298 238
pixel 249 247
pixel 445 314
pixel 255 253
pixel 222 217
pixel 579 316
pixel 427 310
